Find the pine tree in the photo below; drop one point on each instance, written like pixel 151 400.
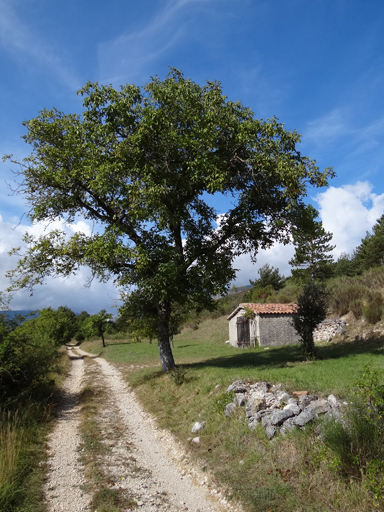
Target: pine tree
pixel 312 259
pixel 370 253
pixel 269 276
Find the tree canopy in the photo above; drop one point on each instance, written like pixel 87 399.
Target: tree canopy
pixel 142 165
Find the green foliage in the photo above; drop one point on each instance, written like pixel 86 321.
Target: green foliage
pixel 359 441
pixel 345 266
pixel 356 294
pixel 280 298
pixel 368 255
pixel 345 293
pixel 269 276
pixel 258 294
pixel 370 252
pixel 140 162
pixel 29 352
pixel 55 326
pixel 312 259
pixel 356 306
pixel 81 320
pixel 178 374
pixel 249 313
pixel 373 310
pixel 96 325
pixel 311 311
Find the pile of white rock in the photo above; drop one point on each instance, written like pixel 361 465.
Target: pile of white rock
pixel 276 409
pixel 329 328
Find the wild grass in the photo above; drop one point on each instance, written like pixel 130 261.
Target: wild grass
pixel 11 442
pixel 359 294
pixel 24 424
pixel 293 473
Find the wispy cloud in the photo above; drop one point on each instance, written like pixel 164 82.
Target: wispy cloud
pixel 340 132
pixel 130 55
pixel 327 128
pixel 19 39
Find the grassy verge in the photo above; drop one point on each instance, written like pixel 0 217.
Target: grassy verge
pixel 98 435
pixel 295 473
pixel 24 425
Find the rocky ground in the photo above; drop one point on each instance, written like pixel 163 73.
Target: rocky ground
pixel 142 461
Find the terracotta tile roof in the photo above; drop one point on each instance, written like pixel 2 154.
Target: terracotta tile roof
pixel 279 309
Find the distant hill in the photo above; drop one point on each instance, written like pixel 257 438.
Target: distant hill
pixel 20 312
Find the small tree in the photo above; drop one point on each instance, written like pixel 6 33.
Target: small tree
pixel 269 276
pixel 97 324
pixel 312 259
pixel 312 311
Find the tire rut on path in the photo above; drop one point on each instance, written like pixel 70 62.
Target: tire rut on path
pixel 65 477
pixel 152 451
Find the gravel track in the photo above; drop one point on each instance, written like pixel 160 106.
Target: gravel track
pixel 65 476
pixel 161 477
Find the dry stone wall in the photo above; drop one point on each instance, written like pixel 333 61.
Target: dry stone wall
pixel 276 410
pixel 329 328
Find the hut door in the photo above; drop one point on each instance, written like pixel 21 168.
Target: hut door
pixel 243 337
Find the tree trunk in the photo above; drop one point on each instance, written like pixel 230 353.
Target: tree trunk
pixel 102 338
pixel 171 341
pixel 166 356
pixel 150 340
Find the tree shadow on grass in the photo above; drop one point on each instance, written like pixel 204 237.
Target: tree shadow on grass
pixel 278 357
pixel 112 343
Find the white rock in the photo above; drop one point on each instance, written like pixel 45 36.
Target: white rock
pixel 196 427
pixel 333 401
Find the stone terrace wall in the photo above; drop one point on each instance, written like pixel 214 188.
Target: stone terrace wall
pixel 328 329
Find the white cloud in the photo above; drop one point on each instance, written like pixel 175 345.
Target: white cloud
pixel 277 256
pixel 348 212
pixel 70 292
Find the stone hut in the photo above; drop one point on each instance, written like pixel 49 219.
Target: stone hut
pixel 270 326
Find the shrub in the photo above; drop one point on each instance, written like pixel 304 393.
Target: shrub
pixel 178 374
pixel 358 442
pixel 279 299
pixel 25 362
pixel 356 306
pixel 373 311
pixel 312 310
pixel 342 293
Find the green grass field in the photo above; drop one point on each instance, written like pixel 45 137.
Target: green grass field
pixel 295 473
pixel 204 350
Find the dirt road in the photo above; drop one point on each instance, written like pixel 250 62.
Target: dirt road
pixel 143 460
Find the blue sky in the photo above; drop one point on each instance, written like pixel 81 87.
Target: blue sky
pixel 318 66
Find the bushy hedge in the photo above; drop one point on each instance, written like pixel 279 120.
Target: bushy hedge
pixel 28 352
